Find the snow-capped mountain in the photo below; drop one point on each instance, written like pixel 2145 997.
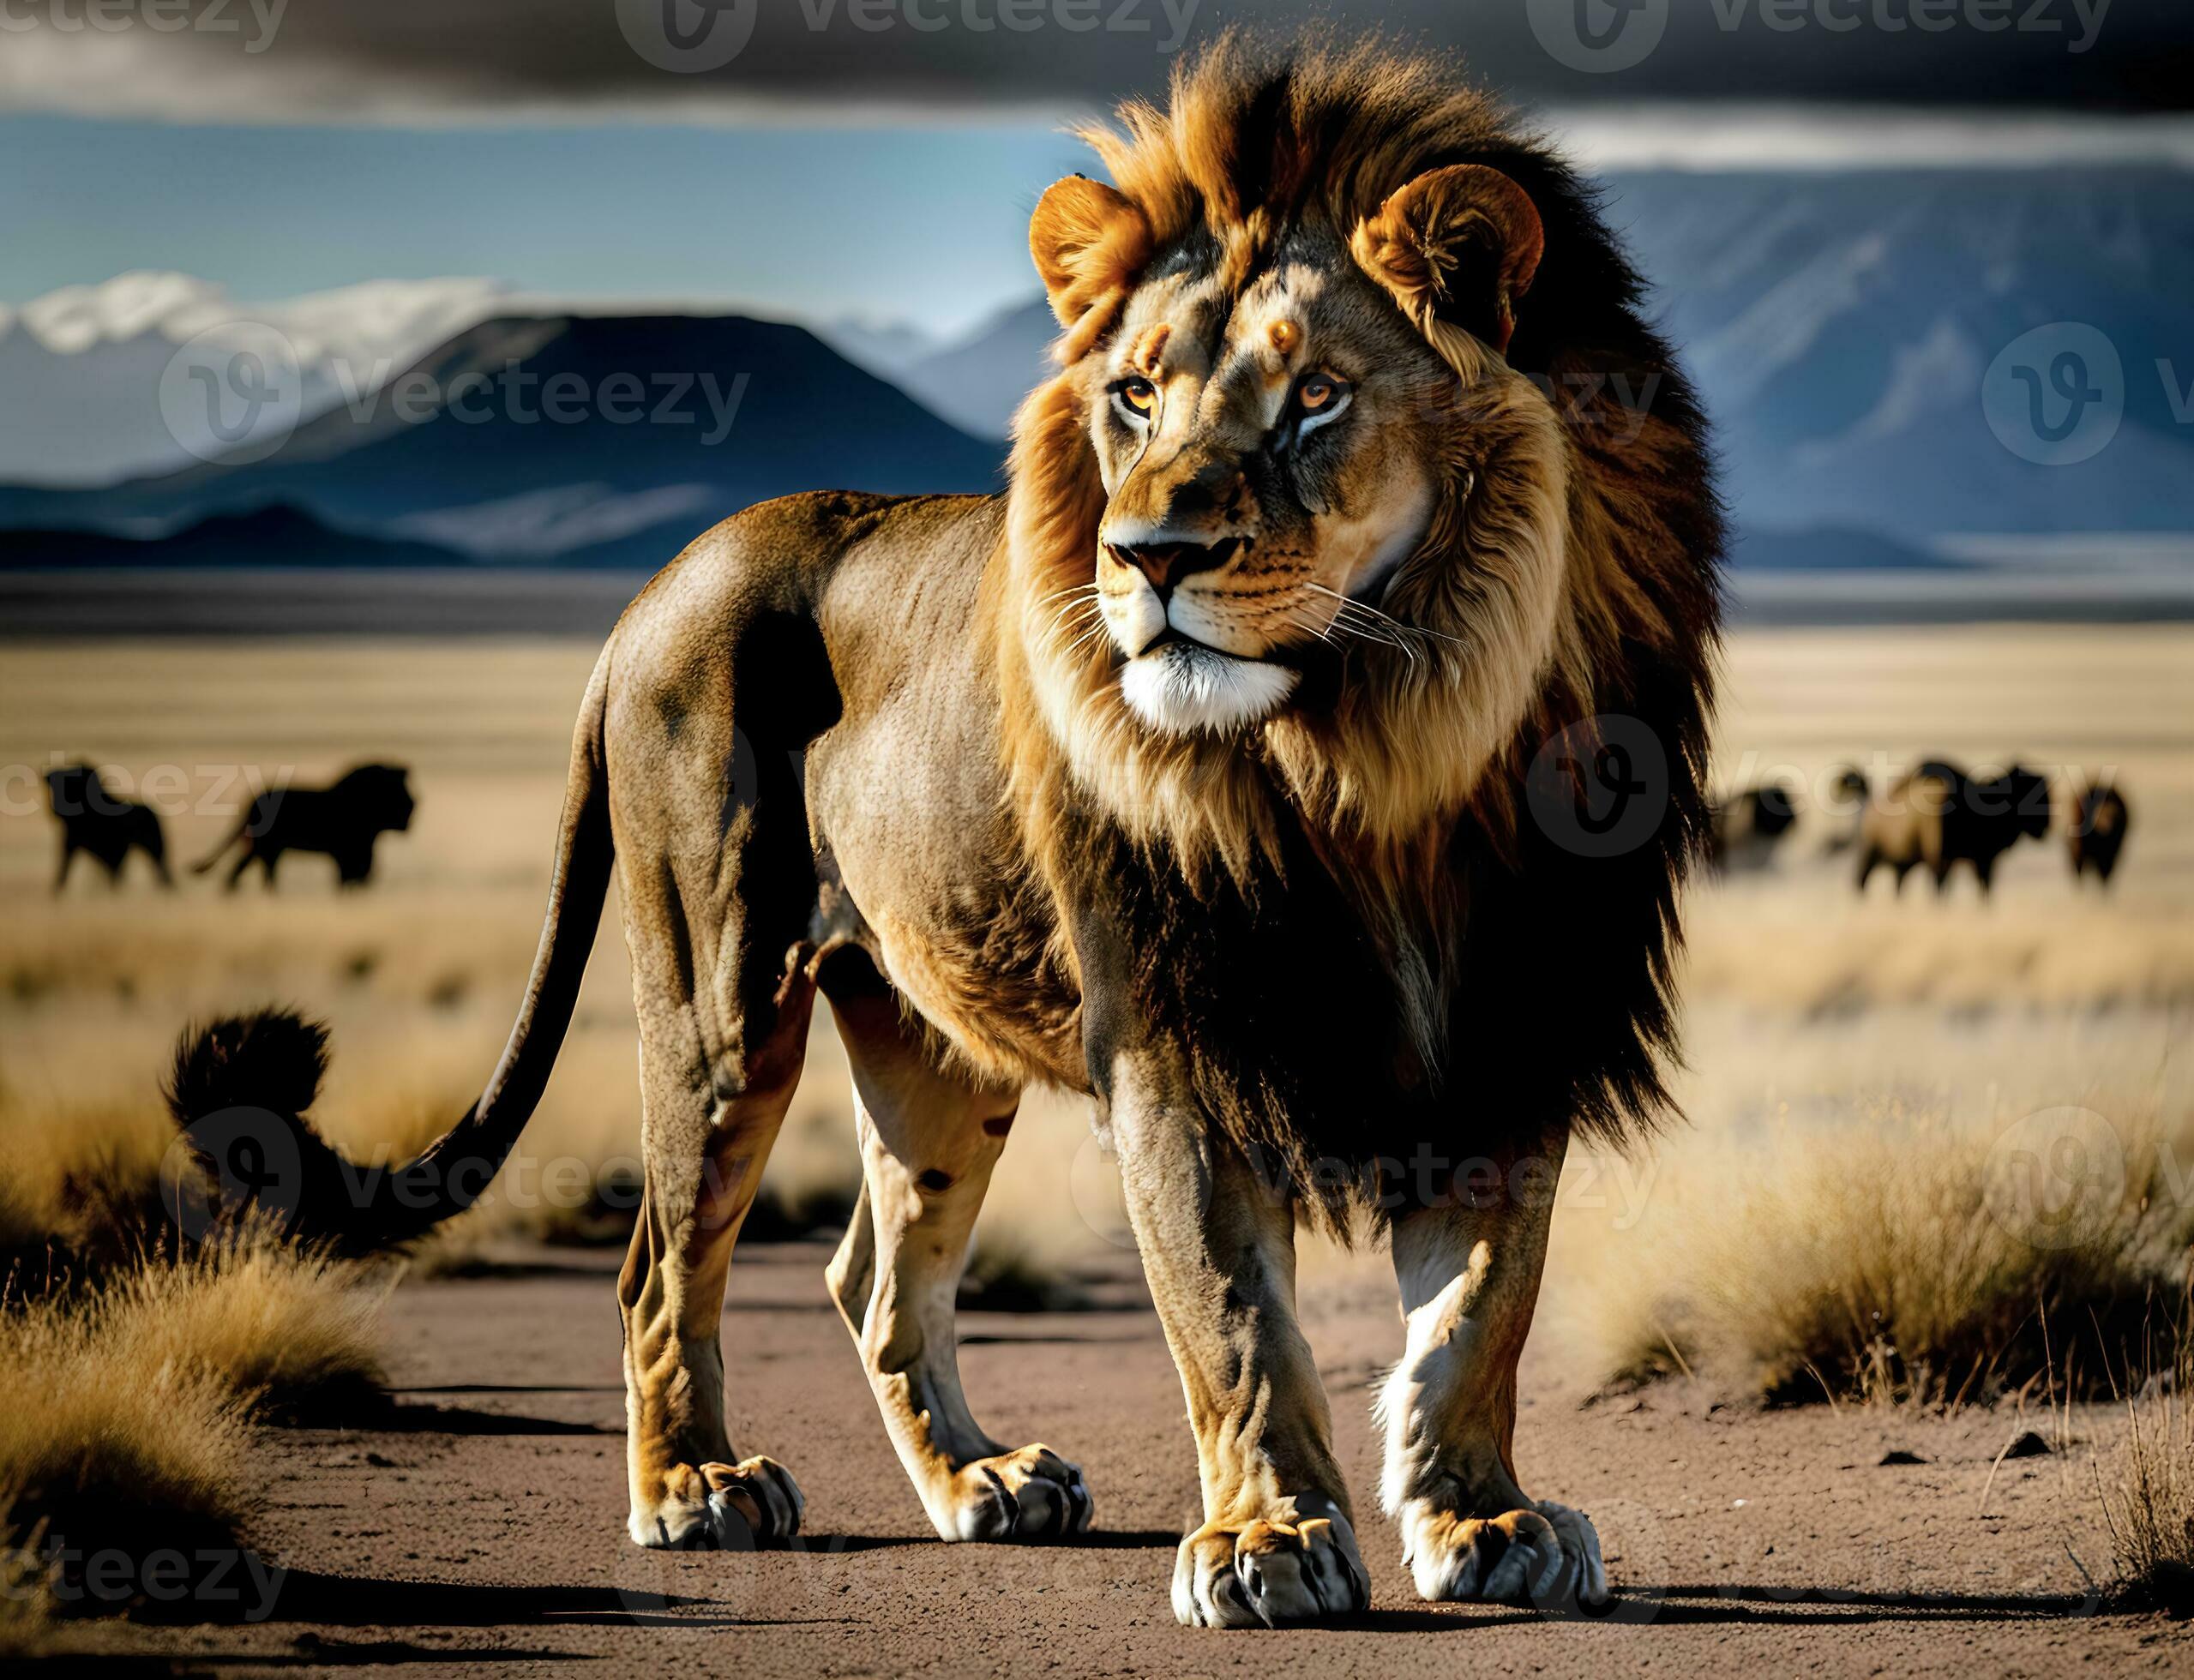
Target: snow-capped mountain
pixel 580 439
pixel 81 367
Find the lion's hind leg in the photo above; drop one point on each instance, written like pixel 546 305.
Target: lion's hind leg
pixel 1468 1269
pixel 929 1142
pixel 719 886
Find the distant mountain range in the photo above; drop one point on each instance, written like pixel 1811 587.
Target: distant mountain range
pixel 1840 327
pixel 268 536
pixel 607 440
pixel 81 367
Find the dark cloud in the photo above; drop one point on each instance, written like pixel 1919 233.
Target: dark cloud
pixel 2095 54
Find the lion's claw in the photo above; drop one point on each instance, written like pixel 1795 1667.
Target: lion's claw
pixel 1546 1558
pixel 1269 1573
pixel 724 1508
pixel 1033 1494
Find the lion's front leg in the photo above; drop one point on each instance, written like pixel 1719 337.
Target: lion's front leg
pixel 1468 1270
pixel 1277 1544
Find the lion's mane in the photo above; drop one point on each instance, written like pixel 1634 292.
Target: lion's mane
pixel 1469 956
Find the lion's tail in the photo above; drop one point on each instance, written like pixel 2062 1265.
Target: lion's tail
pixel 221 851
pixel 240 1088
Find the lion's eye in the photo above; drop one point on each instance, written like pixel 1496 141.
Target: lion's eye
pixel 1138 396
pixel 1320 393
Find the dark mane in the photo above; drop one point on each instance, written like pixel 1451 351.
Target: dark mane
pixel 1548 952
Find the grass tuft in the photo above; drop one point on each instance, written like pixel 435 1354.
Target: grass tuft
pixel 1905 1261
pixel 2146 1488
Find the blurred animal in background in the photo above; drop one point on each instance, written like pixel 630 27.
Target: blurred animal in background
pixel 1749 826
pixel 343 821
pixel 1846 793
pixel 1937 817
pixel 2094 832
pixel 96 819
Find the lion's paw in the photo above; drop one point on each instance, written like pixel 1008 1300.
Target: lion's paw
pixel 1269 1573
pixel 723 1507
pixel 1546 1558
pixel 1033 1494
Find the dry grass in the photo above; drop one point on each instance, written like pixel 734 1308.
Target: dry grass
pixel 128 1412
pixel 2146 1485
pixel 103 1448
pixel 294 1335
pixel 1901 1258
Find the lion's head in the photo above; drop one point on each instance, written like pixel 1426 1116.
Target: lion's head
pixel 1359 468
pixel 380 797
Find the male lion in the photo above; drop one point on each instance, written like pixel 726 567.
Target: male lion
pixel 1191 774
pixel 343 820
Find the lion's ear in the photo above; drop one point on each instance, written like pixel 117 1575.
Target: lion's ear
pixel 1089 242
pixel 1459 245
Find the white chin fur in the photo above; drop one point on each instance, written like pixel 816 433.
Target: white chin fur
pixel 1181 689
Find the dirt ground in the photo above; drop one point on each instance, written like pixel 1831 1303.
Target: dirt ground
pixel 489 1528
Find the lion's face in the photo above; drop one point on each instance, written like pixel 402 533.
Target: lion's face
pixel 1288 519
pixel 1270 459
pixel 381 793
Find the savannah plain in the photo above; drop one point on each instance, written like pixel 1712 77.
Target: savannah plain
pixel 1938 1154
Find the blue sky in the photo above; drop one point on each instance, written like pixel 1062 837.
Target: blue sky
pixel 928 222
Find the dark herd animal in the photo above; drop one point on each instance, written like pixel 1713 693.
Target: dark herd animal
pixel 344 821
pixel 1939 817
pixel 1749 826
pixel 1933 817
pixel 2094 832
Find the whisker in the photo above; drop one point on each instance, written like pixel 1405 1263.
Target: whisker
pixel 1348 602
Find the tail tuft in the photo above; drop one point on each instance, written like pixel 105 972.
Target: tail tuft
pixel 270 1059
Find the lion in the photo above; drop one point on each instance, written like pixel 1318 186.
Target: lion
pixel 97 821
pixel 342 821
pixel 1239 767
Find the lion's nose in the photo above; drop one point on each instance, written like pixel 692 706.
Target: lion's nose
pixel 1165 564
